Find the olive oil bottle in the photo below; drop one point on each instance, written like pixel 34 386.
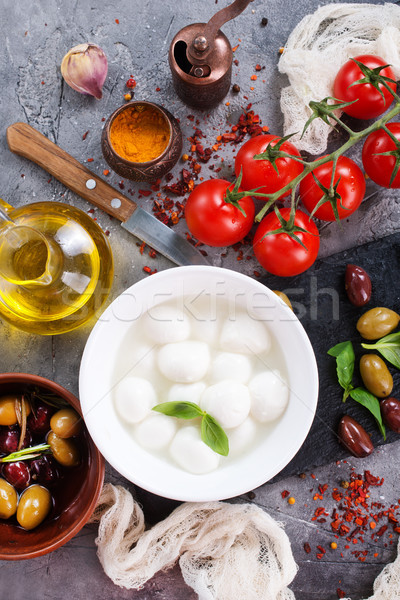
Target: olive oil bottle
pixel 56 267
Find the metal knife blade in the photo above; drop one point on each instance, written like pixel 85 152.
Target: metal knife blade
pixel 26 141
pixel 163 239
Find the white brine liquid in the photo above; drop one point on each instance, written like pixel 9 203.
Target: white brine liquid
pixel 207 352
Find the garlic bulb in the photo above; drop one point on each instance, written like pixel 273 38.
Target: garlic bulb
pixel 84 68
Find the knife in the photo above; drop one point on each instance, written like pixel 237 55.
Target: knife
pixel 26 141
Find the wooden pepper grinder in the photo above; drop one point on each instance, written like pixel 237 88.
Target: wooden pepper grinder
pixel 200 58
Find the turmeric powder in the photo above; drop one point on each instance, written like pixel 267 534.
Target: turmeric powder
pixel 139 133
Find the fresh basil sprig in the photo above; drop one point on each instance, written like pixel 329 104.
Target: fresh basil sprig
pixel 211 431
pixel 371 403
pixel 345 359
pixel 389 347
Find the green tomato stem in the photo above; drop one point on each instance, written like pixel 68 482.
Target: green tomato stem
pixel 354 137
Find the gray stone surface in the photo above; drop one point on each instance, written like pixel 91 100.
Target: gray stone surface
pixel 35 37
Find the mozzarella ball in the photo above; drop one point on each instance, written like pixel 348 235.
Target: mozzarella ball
pixel 191 453
pixel 155 431
pixel 229 365
pixel 134 399
pixel 241 437
pixel 186 392
pixel 165 324
pixel 184 362
pixel 227 401
pixel 269 396
pixel 245 335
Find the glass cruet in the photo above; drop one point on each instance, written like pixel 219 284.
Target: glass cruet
pixel 56 267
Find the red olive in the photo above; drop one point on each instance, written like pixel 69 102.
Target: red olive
pixel 358 285
pixel 354 437
pixel 390 409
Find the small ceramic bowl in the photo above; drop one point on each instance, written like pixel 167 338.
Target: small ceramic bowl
pixel 79 496
pixel 143 171
pixel 106 354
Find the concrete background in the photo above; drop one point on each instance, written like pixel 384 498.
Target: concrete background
pixel 35 37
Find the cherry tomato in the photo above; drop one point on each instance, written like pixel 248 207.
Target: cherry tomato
pixel 370 103
pixel 213 220
pixel 380 168
pixel 279 253
pixel 351 189
pixel 261 173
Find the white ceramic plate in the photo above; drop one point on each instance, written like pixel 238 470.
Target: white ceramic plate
pixel 97 379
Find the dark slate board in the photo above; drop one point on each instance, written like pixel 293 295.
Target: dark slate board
pixel 321 303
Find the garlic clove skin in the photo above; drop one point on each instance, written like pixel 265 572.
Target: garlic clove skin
pixel 84 68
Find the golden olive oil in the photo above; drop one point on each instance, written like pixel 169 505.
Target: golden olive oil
pixel 61 280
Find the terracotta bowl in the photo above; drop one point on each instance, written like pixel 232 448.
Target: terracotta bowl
pixel 143 171
pixel 80 493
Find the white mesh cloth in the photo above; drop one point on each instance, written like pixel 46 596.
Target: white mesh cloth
pixel 317 48
pixel 224 550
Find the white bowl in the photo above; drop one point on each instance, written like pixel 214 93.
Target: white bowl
pixel 97 378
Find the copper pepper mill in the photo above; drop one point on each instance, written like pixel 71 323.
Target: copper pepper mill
pixel 200 58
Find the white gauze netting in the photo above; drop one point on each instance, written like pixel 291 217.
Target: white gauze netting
pixel 317 48
pixel 224 550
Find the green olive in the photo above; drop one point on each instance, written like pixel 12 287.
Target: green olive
pixel 34 506
pixel 66 423
pixel 8 415
pixel 377 322
pixel 64 451
pixel 283 297
pixel 8 500
pixel 375 375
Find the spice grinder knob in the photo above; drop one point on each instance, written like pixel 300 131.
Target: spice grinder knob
pixel 200 59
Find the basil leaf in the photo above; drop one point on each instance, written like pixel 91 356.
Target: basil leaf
pixel 389 347
pixel 345 359
pixel 372 404
pixel 214 436
pixel 181 410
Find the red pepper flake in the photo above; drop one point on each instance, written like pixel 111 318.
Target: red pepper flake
pixel 145 192
pixel 340 593
pixel 152 253
pixel 131 83
pixel 285 494
pixel 158 89
pixel 149 271
pixel 85 135
pixel 117 21
pixel 107 232
pixel 253 78
pixel 382 530
pixel 90 159
pixel 106 172
pixel 235 48
pixel 258 67
pixel 42 82
pixel 307 547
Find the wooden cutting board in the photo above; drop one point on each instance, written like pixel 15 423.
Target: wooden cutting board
pixel 321 303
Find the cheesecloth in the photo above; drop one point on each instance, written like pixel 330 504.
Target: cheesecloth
pixel 224 550
pixel 316 49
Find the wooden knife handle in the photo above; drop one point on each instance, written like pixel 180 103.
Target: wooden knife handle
pixel 29 143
